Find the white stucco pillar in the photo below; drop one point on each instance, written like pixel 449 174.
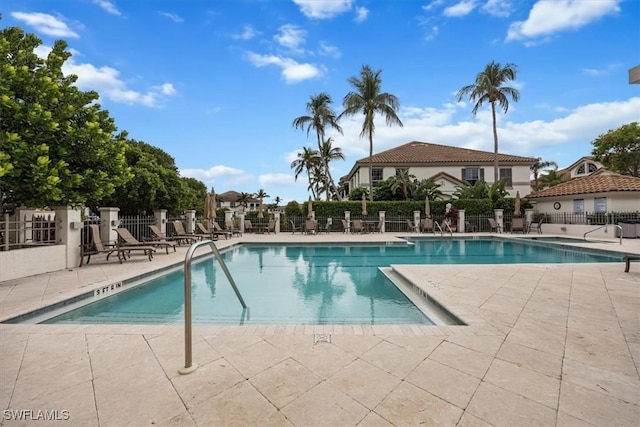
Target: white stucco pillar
pixel 499 214
pixel 241 216
pixel 416 221
pixel 382 221
pixel 109 220
pixel 69 233
pixel 276 218
pixel 461 221
pixel 347 217
pixel 160 216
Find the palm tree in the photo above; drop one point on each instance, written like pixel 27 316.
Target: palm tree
pixel 402 180
pixel 307 160
pixel 328 154
pixel 538 166
pixel 490 87
pixel 550 179
pixel 244 198
pixel 320 116
pixel 427 187
pixel 277 201
pixel 368 99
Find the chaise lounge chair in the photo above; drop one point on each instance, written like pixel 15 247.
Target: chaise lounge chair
pixel 494 226
pixel 97 246
pixel 126 239
pixel 218 229
pixel 232 228
pixel 212 232
pixel 159 235
pixel 177 225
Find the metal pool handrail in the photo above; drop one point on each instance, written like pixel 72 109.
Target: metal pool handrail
pixel 189 366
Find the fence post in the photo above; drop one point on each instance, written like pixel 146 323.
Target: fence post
pixel 190 217
pixel 241 216
pixel 416 221
pixel 499 213
pixel 69 233
pixel 276 218
pixel 347 217
pixel 528 217
pixel 108 220
pixel 160 216
pixel 382 219
pixel 461 221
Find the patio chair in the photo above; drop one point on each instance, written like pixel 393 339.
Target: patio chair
pixel 97 246
pixel 357 226
pixel 310 226
pixel 517 224
pixel 327 226
pixel 248 227
pixel 537 225
pixel 235 230
pixel 293 227
pixel 126 239
pixel 219 230
pixel 411 227
pixel 378 226
pixel 345 226
pixel 468 227
pixel 270 227
pixel 494 226
pixel 426 224
pixel 213 235
pixel 159 235
pixel 180 231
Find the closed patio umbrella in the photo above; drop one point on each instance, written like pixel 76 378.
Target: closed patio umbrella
pixel 364 204
pixel 516 205
pixel 427 208
pixel 212 205
pixel 207 206
pixel 310 208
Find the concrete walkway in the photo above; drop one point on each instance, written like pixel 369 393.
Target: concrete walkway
pixel 545 345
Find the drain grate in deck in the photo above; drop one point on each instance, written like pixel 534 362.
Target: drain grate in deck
pixel 320 338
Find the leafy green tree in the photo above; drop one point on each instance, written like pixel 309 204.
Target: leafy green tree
pixel 489 86
pixel 320 116
pixel 539 166
pixel 383 191
pixel 368 99
pixel 308 160
pixel 497 190
pixel 476 191
pixel 356 193
pixel 192 196
pixel 619 149
pixel 57 146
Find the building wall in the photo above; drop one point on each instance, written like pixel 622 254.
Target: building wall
pixel 615 202
pixel 520 176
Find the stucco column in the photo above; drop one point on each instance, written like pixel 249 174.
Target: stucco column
pixel 528 217
pixel 461 221
pixel 382 219
pixel 190 216
pixel 109 220
pixel 160 216
pixel 69 233
pixel 416 221
pixel 276 218
pixel 499 217
pixel 241 219
pixel 347 217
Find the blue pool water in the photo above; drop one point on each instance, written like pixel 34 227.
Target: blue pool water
pixel 313 284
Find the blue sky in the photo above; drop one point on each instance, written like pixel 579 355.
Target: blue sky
pixel 217 84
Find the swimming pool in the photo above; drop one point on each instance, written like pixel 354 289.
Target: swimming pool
pixel 309 284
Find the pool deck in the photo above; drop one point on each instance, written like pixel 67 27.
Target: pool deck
pixel 545 345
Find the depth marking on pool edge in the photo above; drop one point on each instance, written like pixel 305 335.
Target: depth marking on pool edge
pixel 320 338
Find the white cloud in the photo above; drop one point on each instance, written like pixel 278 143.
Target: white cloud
pixel 212 110
pixel 279 179
pixel 462 8
pixel 174 17
pixel 329 50
pixel 292 71
pixel 45 24
pixel 323 9
pixel 549 17
pixel 248 32
pixel 108 7
pixel 500 8
pixel 361 14
pixel 219 171
pixel 291 36
pixel 432 5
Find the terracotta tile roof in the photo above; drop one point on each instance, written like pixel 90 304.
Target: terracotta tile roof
pixel 422 152
pixel 600 183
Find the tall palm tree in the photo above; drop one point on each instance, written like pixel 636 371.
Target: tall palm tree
pixel 427 187
pixel 320 116
pixel 328 154
pixel 403 180
pixel 368 99
pixel 244 198
pixel 489 86
pixel 307 160
pixel 538 166
pixel 550 179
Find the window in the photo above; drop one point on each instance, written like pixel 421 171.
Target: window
pixel 580 170
pixel 578 206
pixel 592 167
pixel 506 174
pixel 471 175
pixel 600 204
pixel 376 176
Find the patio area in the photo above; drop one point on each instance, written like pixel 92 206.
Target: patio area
pixel 544 345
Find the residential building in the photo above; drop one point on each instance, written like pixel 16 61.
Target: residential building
pixel 451 167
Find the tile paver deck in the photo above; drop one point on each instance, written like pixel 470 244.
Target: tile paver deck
pixel 545 345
